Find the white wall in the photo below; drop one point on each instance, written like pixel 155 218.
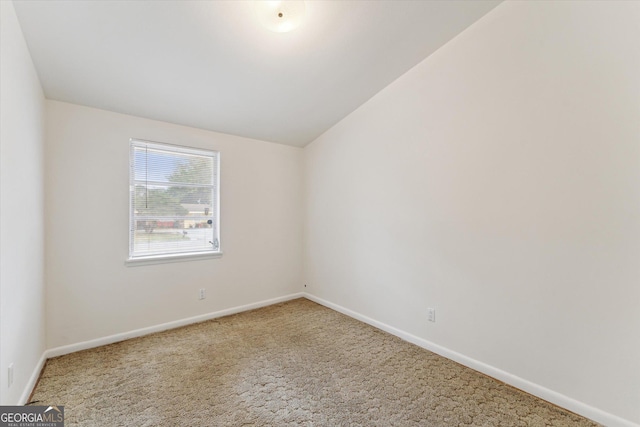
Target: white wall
pixel 92 294
pixel 22 334
pixel 498 181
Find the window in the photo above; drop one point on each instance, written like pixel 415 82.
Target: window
pixel 174 202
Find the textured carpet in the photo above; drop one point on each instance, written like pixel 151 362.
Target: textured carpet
pixel 290 364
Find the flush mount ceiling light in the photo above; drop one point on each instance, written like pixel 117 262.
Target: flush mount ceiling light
pixel 280 16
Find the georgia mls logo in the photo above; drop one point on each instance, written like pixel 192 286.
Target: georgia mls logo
pixel 31 416
pixel 53 408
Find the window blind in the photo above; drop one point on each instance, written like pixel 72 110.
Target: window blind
pixel 174 207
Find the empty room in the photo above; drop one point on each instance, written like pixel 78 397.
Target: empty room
pixel 320 213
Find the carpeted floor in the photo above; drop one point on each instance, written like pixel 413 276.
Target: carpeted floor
pixel 290 364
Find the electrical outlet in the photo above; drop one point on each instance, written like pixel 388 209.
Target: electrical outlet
pixel 431 314
pixel 10 375
pixel 202 294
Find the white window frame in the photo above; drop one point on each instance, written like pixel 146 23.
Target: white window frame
pixel 134 260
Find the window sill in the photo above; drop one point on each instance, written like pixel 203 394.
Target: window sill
pixel 162 259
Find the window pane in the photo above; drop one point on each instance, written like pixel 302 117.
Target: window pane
pixel 173 200
pixel 155 237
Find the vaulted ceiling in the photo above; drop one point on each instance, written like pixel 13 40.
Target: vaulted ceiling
pixel 211 65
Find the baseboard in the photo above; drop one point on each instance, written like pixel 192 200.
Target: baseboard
pixel 33 379
pixel 85 345
pixel 544 393
pixel 561 400
pixel 72 348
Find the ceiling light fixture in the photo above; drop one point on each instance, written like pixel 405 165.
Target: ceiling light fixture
pixel 280 16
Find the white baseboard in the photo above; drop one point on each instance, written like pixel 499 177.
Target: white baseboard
pixel 85 345
pixel 561 400
pixel 556 398
pixel 72 348
pixel 33 379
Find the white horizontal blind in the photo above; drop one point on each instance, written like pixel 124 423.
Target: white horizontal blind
pixel 173 199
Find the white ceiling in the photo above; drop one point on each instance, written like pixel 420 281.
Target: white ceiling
pixel 210 65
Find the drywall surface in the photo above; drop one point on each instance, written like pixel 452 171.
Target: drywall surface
pixel 93 294
pixel 22 332
pixel 498 182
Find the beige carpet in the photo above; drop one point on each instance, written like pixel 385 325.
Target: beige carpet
pixel 290 364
